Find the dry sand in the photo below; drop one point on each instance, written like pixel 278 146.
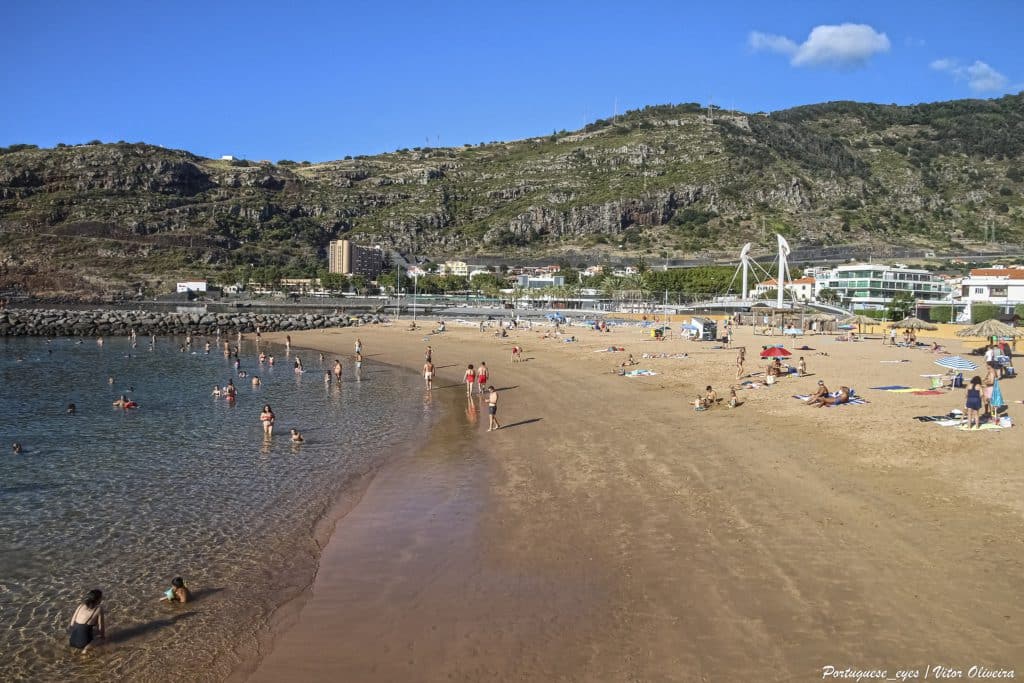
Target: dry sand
pixel 610 533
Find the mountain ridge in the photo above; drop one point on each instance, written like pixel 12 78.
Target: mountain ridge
pixel 666 181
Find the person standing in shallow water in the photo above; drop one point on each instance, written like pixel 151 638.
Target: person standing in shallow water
pixel 470 378
pixel 267 418
pixel 87 622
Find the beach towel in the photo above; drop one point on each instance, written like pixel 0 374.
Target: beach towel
pixel 640 373
pixel 996 401
pixel 894 361
pixel 891 387
pixel 986 426
pixel 928 392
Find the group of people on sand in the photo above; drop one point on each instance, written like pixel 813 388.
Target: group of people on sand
pixel 710 399
pixel 88 622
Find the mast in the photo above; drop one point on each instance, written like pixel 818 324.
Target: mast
pixel 781 279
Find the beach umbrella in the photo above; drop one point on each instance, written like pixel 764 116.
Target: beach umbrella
pixel 859 320
pixel 956 363
pixel 991 328
pixel 912 323
pixel 775 352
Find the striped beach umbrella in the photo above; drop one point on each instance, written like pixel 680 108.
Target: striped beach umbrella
pixel 956 363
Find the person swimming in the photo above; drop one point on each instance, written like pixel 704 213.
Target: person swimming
pixel 297 436
pixel 16 448
pixel 216 391
pixel 178 592
pixel 71 409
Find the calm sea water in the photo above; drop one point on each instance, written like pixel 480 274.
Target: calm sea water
pixel 185 484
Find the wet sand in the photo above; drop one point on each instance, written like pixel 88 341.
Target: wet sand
pixel 610 533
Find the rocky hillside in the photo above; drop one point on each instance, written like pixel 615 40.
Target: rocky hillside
pixel 665 181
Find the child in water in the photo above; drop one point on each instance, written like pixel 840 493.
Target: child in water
pixel 297 436
pixel 178 592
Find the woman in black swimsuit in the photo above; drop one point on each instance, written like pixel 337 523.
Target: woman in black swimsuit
pixel 87 621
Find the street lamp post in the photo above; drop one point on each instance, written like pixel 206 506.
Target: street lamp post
pixel 415 286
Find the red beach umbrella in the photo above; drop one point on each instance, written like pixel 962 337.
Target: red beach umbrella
pixel 775 352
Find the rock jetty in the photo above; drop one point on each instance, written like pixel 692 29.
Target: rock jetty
pixel 69 323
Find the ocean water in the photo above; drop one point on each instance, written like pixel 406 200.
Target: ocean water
pixel 186 484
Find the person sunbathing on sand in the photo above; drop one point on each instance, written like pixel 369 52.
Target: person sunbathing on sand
pixel 698 404
pixel 821 392
pixel 843 397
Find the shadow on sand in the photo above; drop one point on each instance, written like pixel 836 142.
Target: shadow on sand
pixel 522 422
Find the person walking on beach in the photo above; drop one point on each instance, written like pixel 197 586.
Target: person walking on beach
pixel 481 377
pixel 428 374
pixel 337 369
pixel 359 346
pixel 801 367
pixel 492 409
pixel 740 358
pixel 87 622
pixel 428 354
pixel 469 378
pixel 267 418
pixel 359 365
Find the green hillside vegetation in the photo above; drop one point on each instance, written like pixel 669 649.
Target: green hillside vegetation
pixel 667 181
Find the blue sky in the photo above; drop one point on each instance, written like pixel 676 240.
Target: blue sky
pixel 321 80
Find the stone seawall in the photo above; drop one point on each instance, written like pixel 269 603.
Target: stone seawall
pixel 58 323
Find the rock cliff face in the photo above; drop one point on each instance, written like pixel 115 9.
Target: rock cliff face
pixel 665 181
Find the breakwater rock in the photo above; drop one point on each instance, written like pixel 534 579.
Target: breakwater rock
pixel 57 323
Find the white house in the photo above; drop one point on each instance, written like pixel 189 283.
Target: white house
pixel 460 268
pixel 799 290
pixel 196 286
pixel 227 157
pixel 1003 287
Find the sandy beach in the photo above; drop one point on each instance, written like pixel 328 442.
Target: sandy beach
pixel 610 533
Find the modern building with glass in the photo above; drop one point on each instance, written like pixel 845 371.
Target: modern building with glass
pixel 874 286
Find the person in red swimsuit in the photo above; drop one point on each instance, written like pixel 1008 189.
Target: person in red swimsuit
pixel 481 377
pixel 470 377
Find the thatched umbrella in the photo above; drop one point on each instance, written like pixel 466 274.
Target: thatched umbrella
pixel 912 323
pixel 860 320
pixel 991 328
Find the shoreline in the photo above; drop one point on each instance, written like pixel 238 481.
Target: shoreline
pixel 622 536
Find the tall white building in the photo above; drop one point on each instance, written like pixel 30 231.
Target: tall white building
pixel 873 286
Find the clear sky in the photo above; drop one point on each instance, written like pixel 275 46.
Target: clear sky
pixel 321 80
